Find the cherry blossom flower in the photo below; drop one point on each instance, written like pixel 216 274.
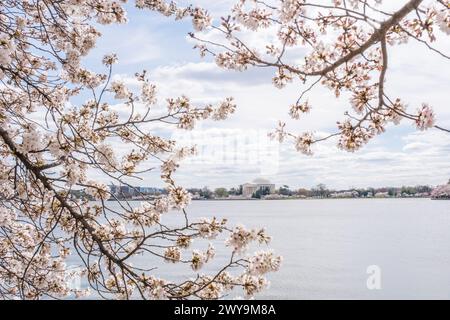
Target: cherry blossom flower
pixel 425 118
pixel 180 197
pixel 118 87
pixel 263 262
pixel 149 93
pixel 343 46
pixel 58 172
pixel 200 19
pixel 198 259
pixel 241 237
pixel 172 254
pixel 298 109
pixel 98 190
pixel 6 49
pixel 304 142
pixel 7 216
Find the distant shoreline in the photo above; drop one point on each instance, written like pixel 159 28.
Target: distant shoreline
pixel 390 198
pixel 290 199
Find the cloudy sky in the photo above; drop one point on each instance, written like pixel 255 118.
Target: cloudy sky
pixel 237 150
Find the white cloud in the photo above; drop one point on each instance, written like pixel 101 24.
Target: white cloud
pixel 392 159
pixel 400 156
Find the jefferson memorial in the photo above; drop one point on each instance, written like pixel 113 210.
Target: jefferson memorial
pixel 248 189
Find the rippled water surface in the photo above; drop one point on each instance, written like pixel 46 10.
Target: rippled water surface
pixel 328 245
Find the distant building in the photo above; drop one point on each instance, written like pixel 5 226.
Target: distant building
pixel 113 189
pixel 248 189
pixel 196 196
pixel 423 195
pixel 124 191
pixel 406 195
pixel 275 197
pixel 149 190
pixel 345 194
pixel 382 195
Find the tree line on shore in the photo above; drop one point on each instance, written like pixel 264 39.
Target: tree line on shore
pixel 319 191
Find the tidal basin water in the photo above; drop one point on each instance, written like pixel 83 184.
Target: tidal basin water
pixel 327 246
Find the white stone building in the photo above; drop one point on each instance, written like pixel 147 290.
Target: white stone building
pixel 248 189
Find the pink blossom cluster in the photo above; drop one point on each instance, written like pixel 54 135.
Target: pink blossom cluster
pixel 342 45
pixel 441 192
pixel 57 172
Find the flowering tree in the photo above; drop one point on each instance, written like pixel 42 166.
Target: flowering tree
pixel 343 45
pixel 50 145
pixel 441 192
